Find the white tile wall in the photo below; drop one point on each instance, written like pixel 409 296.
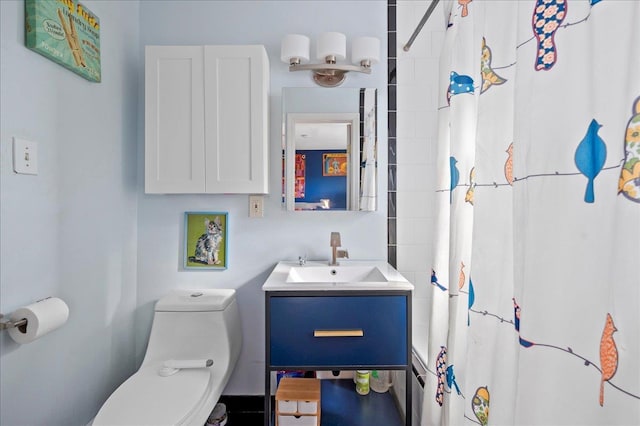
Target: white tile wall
pixel 414 151
pixel 417 80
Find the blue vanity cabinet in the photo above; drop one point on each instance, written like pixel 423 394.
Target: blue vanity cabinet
pixel 338 330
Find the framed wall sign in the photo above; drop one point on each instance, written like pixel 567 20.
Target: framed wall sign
pixel 66 32
pixel 334 164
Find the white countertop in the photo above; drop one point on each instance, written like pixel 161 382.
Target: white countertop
pixel 278 280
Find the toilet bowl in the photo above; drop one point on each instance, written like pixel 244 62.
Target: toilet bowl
pixel 176 383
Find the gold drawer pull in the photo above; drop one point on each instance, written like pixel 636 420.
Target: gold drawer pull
pixel 338 333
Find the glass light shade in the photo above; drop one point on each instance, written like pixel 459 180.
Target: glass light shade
pixel 294 46
pixel 365 49
pixel 332 44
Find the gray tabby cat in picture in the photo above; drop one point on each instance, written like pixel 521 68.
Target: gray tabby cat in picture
pixel 208 245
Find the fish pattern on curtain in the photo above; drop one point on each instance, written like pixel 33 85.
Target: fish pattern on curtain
pixel 535 312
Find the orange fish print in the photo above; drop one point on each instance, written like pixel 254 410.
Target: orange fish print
pixel 468 197
pixel 629 182
pixel 489 76
pixel 608 355
pixel 480 405
pixel 465 8
pixel 508 165
pixel 462 276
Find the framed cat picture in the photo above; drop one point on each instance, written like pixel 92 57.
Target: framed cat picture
pixel 205 240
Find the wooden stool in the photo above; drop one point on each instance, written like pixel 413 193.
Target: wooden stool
pixel 298 402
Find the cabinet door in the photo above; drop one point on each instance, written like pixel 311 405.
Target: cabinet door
pixel 174 119
pixel 236 129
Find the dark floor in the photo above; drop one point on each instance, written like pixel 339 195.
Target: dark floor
pixel 245 419
pixel 244 410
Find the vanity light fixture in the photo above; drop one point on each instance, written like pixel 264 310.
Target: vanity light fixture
pixel 331 47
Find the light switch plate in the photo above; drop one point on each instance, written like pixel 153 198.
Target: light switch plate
pixel 25 156
pixel 256 206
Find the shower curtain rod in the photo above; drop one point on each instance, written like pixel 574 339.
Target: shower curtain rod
pixel 424 19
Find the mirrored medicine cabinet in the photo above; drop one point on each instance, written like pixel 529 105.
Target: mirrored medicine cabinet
pixel 329 145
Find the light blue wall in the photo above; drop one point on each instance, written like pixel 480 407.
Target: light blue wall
pixel 255 245
pixel 71 230
pixel 83 230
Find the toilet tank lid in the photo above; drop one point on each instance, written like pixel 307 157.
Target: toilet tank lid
pixel 201 300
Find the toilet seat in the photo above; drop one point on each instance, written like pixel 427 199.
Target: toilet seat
pixel 147 398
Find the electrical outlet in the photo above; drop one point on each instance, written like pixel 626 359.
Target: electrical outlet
pixel 25 156
pixel 256 206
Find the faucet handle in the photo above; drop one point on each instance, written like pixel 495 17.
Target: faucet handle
pixel 335 240
pixel 343 254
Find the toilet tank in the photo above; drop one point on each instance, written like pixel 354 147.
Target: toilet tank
pixel 196 324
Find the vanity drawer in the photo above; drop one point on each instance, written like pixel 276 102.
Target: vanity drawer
pixel 338 330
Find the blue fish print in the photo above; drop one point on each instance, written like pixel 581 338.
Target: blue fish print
pixel 590 157
pixel 472 298
pixel 594 2
pixel 458 84
pixel 546 20
pixel 434 281
pixel 441 363
pixel 455 177
pixel 451 379
pixel 516 323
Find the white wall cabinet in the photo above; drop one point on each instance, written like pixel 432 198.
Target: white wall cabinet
pixel 206 119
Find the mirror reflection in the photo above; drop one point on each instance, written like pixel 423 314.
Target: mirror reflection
pixel 329 149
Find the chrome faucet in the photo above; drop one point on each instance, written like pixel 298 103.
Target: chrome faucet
pixel 335 253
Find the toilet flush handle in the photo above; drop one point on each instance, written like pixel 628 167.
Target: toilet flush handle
pixel 172 366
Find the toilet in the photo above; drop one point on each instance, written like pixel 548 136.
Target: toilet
pixel 177 384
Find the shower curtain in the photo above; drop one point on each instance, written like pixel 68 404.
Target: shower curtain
pixel 368 154
pixel 535 314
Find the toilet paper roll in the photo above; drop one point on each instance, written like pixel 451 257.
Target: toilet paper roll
pixel 42 317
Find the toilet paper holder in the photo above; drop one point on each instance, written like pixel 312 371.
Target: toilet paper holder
pixel 4 325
